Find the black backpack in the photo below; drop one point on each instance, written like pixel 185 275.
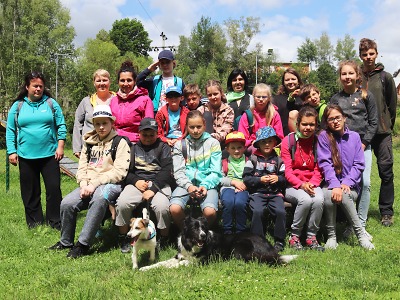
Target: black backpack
pixel 114 147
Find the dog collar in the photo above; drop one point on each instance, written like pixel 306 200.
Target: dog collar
pixel 152 232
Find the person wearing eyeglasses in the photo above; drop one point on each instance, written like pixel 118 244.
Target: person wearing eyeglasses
pixel 360 108
pixel 264 114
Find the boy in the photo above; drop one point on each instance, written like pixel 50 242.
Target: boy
pixel 234 194
pixel 265 180
pixel 148 180
pixel 192 96
pixel 158 84
pixel 382 86
pixel 99 177
pixel 310 95
pixel 171 118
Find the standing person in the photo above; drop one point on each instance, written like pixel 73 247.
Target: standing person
pixel 131 104
pixel 238 97
pixel 304 177
pixel 264 176
pixel 192 96
pixel 360 108
pixel 264 114
pixel 197 171
pixel 84 111
pixel 382 86
pixel 35 139
pixel 157 85
pixel 341 158
pixel 310 95
pixel 287 99
pixel 99 177
pixel 218 115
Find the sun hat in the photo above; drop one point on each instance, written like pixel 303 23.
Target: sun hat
pixel 102 111
pixel 173 91
pixel 264 133
pixel 166 54
pixel 235 136
pixel 148 123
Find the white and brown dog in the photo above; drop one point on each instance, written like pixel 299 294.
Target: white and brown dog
pixel 143 235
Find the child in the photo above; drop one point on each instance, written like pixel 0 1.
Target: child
pixel 99 177
pixel 310 95
pixel 266 182
pixel 192 96
pixel 341 158
pixel 197 170
pixel 171 118
pixel 264 114
pixel 234 194
pixel 157 85
pixel 148 180
pixel 304 177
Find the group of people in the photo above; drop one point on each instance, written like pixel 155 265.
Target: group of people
pixel 248 152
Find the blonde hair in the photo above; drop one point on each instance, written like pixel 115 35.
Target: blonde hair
pixel 269 110
pixel 357 69
pixel 100 72
pixel 216 83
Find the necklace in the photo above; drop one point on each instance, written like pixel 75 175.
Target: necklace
pixel 301 151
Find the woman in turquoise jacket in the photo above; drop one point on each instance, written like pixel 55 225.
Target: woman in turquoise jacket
pixel 35 138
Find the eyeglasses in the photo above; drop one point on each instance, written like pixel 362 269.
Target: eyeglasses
pixel 337 119
pixel 261 97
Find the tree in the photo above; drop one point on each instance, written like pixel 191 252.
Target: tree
pixel 129 35
pixel 324 49
pixel 327 80
pixel 345 49
pixel 307 52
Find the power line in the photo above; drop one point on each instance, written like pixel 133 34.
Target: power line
pixel 148 15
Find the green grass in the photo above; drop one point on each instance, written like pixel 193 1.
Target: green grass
pixel 29 271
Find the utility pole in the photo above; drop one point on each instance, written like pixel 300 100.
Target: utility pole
pixel 57 55
pixel 163 39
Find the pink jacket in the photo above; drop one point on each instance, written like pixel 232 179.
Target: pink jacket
pixel 130 111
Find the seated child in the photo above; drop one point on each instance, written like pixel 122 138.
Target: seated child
pixel 192 96
pixel 197 170
pixel 100 178
pixel 265 180
pixel 148 180
pixel 234 194
pixel 171 118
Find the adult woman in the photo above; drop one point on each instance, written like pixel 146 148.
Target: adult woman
pixel 131 104
pixel 238 98
pixel 359 105
pixel 287 99
pixel 35 137
pixel 304 177
pixel 341 159
pixel 84 112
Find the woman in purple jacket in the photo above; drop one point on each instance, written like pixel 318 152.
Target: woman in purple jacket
pixel 341 159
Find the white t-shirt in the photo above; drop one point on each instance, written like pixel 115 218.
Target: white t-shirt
pixel 166 82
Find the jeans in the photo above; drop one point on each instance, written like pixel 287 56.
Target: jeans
pixel 365 193
pixel 234 207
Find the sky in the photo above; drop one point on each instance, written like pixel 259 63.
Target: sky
pixel 285 24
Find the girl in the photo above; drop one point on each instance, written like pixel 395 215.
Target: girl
pixel 304 177
pixel 197 170
pixel 359 105
pixel 238 98
pixel 287 99
pixel 131 104
pixel 264 114
pixel 217 114
pixel 341 158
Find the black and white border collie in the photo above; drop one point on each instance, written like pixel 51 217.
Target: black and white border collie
pixel 198 243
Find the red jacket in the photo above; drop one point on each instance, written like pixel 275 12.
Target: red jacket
pixel 162 119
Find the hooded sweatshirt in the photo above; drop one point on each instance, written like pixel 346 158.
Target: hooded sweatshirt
pixel 101 169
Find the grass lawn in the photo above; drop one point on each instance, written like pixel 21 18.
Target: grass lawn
pixel 29 271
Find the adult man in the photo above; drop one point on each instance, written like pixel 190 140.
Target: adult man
pixel 382 86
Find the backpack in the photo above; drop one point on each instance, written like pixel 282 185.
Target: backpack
pixel 292 146
pixel 225 162
pixel 250 118
pixel 157 86
pixel 114 147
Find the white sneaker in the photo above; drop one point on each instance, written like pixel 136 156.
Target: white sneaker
pixel 365 243
pixel 331 243
pixel 368 236
pixel 348 232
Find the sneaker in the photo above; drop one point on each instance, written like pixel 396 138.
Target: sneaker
pixel 348 232
pixel 59 246
pixel 124 243
pixel 294 242
pixel 331 243
pixel 368 236
pixel 366 244
pixel 313 244
pixel 387 220
pixel 279 246
pixel 78 250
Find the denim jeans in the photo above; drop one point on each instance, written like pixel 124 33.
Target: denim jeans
pixel 365 193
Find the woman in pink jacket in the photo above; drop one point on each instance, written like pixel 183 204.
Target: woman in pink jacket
pixel 131 104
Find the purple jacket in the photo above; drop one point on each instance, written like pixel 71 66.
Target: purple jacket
pixel 351 154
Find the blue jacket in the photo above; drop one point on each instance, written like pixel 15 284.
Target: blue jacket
pixel 38 130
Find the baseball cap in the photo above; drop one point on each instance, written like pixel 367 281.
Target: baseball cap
pixel 102 111
pixel 167 54
pixel 235 136
pixel 173 91
pixel 148 123
pixel 265 133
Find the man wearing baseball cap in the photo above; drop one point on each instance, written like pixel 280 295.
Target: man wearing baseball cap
pixel 157 85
